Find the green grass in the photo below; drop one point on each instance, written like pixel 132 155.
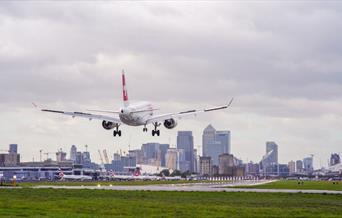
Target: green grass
pixel 105 183
pixel 293 184
pixel 29 202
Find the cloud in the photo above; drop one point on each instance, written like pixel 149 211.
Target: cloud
pixel 281 61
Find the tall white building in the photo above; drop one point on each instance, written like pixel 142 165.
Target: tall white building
pixel 292 167
pixel 175 158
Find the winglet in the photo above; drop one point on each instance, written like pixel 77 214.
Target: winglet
pixel 35 105
pixel 230 102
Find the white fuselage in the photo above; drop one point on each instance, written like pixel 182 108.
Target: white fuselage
pixel 136 114
pixel 76 177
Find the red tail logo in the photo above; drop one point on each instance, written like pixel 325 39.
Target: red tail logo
pixel 124 89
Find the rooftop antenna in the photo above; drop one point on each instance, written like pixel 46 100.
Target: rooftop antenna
pixel 86 147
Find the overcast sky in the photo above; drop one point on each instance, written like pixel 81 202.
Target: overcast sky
pixel 281 62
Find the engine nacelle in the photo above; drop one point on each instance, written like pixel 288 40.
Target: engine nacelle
pixel 108 125
pixel 170 123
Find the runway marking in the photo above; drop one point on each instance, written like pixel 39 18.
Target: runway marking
pixel 198 187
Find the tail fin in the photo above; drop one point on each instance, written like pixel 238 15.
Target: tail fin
pixel 124 90
pixel 137 172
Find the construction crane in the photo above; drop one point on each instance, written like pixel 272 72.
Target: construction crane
pixel 100 157
pixel 105 156
pixel 40 155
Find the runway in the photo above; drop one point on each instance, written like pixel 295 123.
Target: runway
pixel 198 187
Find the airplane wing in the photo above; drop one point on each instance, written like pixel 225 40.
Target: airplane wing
pixel 180 115
pixel 84 115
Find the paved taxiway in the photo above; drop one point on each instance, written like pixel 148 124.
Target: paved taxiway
pixel 202 187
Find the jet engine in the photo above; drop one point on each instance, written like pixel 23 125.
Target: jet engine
pixel 108 125
pixel 170 123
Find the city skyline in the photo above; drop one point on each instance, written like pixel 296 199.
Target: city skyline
pixel 316 163
pixel 181 56
pixel 184 143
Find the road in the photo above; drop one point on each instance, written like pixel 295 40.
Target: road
pixel 202 187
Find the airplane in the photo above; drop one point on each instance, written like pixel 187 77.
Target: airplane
pixel 138 114
pixel 136 175
pixel 163 177
pixel 64 177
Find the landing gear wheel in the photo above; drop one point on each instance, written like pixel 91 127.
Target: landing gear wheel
pixel 117 131
pixel 144 129
pixel 155 132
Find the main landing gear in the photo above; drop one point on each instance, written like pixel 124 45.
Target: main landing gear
pixel 117 131
pixel 156 131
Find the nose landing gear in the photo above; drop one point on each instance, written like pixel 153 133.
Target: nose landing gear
pixel 145 129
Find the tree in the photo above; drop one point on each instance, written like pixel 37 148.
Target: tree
pixel 176 173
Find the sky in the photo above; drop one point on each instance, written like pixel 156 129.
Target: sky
pixel 281 61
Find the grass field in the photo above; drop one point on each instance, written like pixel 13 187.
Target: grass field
pixel 293 184
pixel 29 202
pixel 104 183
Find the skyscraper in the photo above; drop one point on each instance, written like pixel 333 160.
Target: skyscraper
pixel 13 148
pixel 224 138
pixel 195 165
pixel 150 152
pixel 215 143
pixel 308 165
pixel 299 166
pixel 269 161
pixel 154 153
pixel 73 152
pixel 137 154
pixel 185 141
pixel 162 152
pixel 272 148
pixel 86 159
